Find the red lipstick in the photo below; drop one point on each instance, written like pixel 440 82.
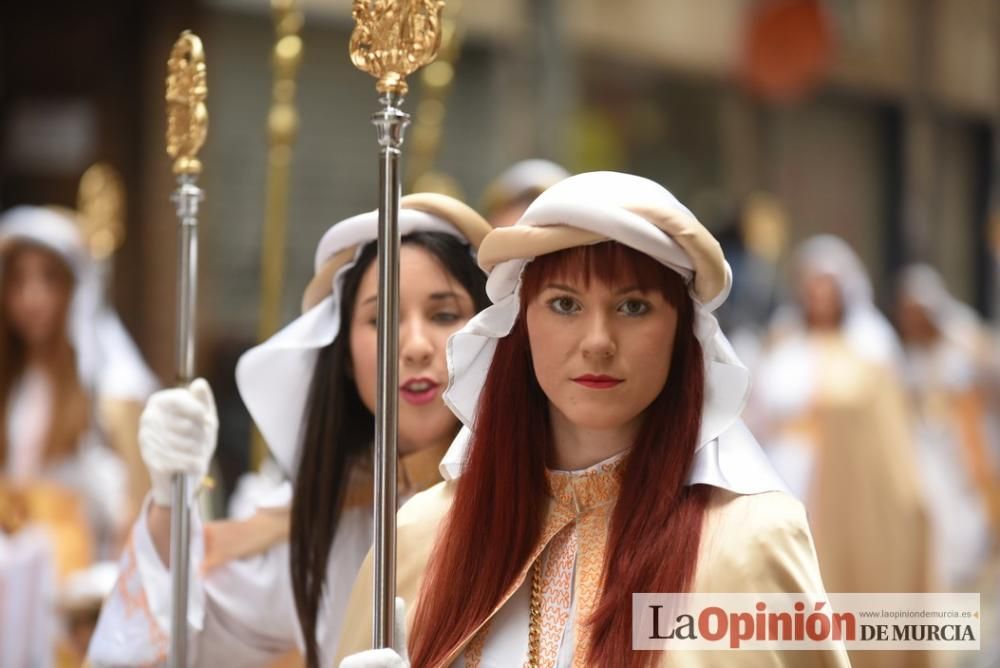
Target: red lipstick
pixel 598 382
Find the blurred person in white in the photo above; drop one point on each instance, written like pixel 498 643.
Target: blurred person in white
pixel 509 194
pixel 944 353
pixel 310 389
pixel 63 355
pixel 831 408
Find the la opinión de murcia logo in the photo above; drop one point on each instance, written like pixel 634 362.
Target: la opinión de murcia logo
pixel 803 621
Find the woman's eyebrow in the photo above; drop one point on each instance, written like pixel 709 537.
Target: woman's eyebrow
pixel 371 299
pixel 443 295
pixel 560 286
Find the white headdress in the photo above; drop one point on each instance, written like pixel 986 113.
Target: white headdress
pixel 109 362
pixel 527 178
pixel 868 332
pixel 592 208
pixel 274 377
pixel 956 321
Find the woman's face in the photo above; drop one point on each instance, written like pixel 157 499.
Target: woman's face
pixel 37 287
pixel 432 306
pixel 915 324
pixel 821 301
pixel 600 353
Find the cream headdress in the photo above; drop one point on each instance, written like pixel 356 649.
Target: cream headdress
pixel 592 208
pixel 274 377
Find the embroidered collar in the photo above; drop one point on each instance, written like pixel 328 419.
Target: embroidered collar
pixel 587 488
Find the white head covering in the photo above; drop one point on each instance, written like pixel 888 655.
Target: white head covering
pixel 274 377
pixel 956 321
pixel 109 362
pixel 528 177
pixel 868 332
pixel 636 212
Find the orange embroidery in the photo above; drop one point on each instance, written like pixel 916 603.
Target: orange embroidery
pixel 573 539
pixel 557 593
pixel 134 601
pixel 593 538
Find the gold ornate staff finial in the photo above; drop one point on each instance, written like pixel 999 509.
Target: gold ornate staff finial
pixel 101 203
pixel 394 38
pixel 187 125
pixel 187 117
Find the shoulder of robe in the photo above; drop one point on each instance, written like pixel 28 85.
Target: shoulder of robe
pixel 756 543
pixel 426 509
pixel 417 524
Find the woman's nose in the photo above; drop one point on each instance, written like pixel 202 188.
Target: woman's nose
pixel 415 346
pixel 599 340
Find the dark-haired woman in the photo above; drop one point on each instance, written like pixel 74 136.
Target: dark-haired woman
pixel 606 456
pixel 311 391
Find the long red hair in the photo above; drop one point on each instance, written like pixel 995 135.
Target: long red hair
pixel 496 518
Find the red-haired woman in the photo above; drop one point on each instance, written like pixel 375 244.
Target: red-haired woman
pixel 605 455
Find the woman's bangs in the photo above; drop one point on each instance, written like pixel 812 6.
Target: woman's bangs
pixel 610 263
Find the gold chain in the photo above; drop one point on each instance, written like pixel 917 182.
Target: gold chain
pixel 535 615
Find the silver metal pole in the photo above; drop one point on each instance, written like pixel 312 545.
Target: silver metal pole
pixel 186 197
pixel 390 123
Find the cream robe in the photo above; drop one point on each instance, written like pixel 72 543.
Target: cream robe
pixel 750 543
pixel 840 436
pixel 242 613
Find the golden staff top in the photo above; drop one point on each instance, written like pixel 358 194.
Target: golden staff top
pixel 101 203
pixel 187 117
pixel 395 38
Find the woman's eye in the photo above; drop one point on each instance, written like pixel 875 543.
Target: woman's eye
pixel 633 307
pixel 564 305
pixel 445 317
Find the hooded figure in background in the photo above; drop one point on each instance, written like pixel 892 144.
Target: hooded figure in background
pixel 69 373
pixel 943 345
pixel 831 409
pixel 510 193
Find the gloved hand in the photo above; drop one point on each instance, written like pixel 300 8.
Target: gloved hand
pixel 177 434
pixel 385 658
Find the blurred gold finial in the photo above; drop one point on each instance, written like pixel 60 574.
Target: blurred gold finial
pixel 394 38
pixel 101 206
pixel 187 117
pixel 765 226
pixel 436 81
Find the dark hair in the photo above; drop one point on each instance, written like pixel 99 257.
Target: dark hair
pixel 338 430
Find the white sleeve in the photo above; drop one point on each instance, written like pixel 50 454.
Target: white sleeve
pixel 237 616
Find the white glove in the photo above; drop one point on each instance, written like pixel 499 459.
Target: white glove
pixel 385 658
pixel 177 434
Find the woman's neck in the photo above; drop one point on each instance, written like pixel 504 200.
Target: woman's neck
pixel 577 447
pixel 406 447
pixel 39 355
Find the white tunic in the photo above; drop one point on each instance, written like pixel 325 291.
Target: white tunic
pixel 93 471
pixel 241 613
